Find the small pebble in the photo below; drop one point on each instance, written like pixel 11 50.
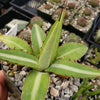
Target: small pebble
pixel 24 79
pixel 66 97
pixel 5 67
pixel 5 63
pixel 54 79
pixel 15 67
pixel 58 87
pixel 64 84
pixel 77 82
pixel 20 83
pixel 74 88
pixel 66 90
pixel 12 79
pixel 54 92
pixel 18 77
pixel 58 82
pixel 23 73
pixel 20 88
pixel 24 68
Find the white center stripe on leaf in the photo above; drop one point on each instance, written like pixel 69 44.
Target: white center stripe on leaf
pixel 18 58
pixel 16 44
pixel 36 86
pixel 47 51
pixel 38 37
pixel 69 52
pixel 65 67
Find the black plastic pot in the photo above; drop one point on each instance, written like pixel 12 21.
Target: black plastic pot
pixel 45 16
pixel 82 21
pixel 74 30
pixel 23 6
pixel 87 36
pixel 12 14
pixel 95 28
pixel 1 6
pixel 5 3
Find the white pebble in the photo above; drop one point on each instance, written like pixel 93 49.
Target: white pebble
pixel 64 84
pixel 5 67
pixel 54 92
pixel 23 73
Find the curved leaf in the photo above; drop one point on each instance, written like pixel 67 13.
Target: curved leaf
pixel 50 46
pixel 35 86
pixel 72 51
pixel 16 43
pixel 67 68
pixel 94 93
pixel 19 57
pixel 38 36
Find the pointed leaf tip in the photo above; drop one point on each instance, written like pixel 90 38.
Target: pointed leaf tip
pixel 38 36
pixel 16 43
pixel 50 46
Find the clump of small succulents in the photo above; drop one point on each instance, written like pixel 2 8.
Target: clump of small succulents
pixel 71 5
pixel 36 20
pixel 94 3
pixel 60 11
pixel 87 90
pixel 47 6
pixel 82 22
pixel 25 35
pixel 87 12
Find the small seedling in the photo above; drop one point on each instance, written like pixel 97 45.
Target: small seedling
pixel 25 35
pixel 47 6
pixel 85 91
pixel 71 5
pixel 94 3
pixel 45 57
pixel 87 12
pixel 95 60
pixel 36 20
pixel 82 21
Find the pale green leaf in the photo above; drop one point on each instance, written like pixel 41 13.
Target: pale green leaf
pixel 68 68
pixel 35 86
pixel 72 51
pixel 16 43
pixel 50 46
pixel 38 36
pixel 19 57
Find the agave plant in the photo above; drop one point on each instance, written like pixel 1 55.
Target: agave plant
pixel 44 57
